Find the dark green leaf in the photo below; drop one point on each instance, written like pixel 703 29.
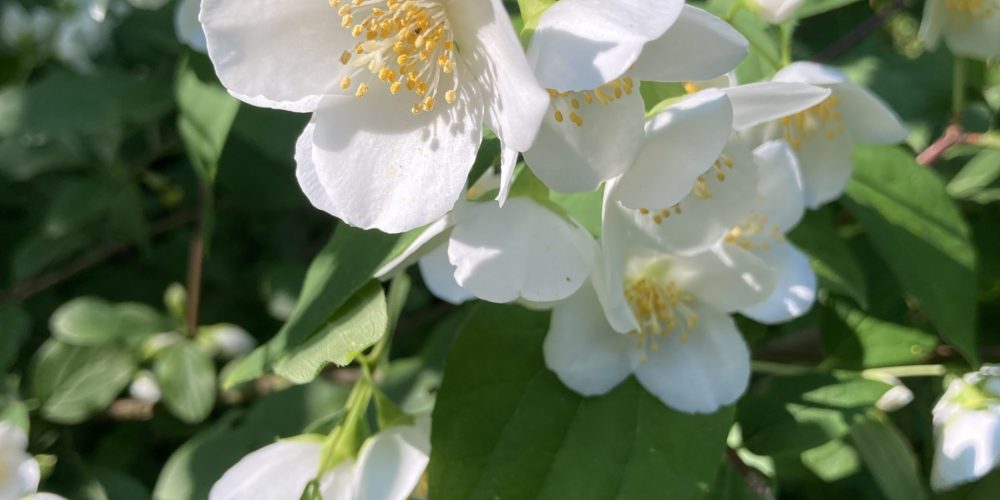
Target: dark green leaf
pixel 830 256
pixel 976 175
pixel 922 236
pixel 854 339
pixel 505 427
pixel 206 114
pixel 889 458
pixel 15 326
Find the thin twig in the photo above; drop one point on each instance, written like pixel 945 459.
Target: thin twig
pixel 953 135
pixel 196 262
pixel 29 288
pixel 754 481
pixel 859 34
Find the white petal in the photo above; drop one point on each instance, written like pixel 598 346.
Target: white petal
pixel 762 102
pixel 275 471
pixel 522 250
pixel 727 277
pixel 621 242
pixel 439 276
pixel 582 348
pixel 933 23
pixel 777 11
pixel 28 475
pixel 704 222
pixel 430 237
pixel 826 166
pixel 780 193
pixel 188 28
pixel 976 36
pixel 340 481
pixel 570 159
pixel 699 46
pixel 514 101
pixel 681 143
pixel 810 72
pixel 374 164
pixel 968 447
pixel 867 118
pixel 795 289
pixel 390 464
pixel 698 371
pixel 280 55
pixel 583 44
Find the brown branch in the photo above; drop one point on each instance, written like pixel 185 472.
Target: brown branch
pixel 952 136
pixel 22 291
pixel 196 262
pixel 859 34
pixel 754 481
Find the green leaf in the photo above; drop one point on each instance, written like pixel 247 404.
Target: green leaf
pixel 15 327
pixel 832 461
pixel 854 339
pixel 356 326
pixel 584 208
pixel 88 321
pixel 889 458
pixel 74 382
pixel 505 427
pixel 976 175
pixel 342 268
pixel 794 414
pixel 815 7
pixel 200 462
pixel 831 257
pixel 206 114
pixel 187 378
pixel 922 237
pixel 531 12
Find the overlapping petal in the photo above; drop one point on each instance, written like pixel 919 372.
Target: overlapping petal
pixel 794 290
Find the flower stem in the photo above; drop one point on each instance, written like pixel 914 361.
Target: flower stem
pixel 958 89
pixel 787 31
pixel 908 371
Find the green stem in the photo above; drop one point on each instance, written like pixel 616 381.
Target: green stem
pixel 357 407
pixel 787 31
pixel 771 368
pixel 908 371
pixel 733 10
pixel 958 87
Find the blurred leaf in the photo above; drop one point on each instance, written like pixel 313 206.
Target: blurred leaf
pixel 206 114
pixel 74 382
pixel 342 268
pixel 531 13
pixel 830 255
pixel 832 461
pixel 187 378
pixel 15 327
pixel 889 458
pixel 794 414
pixel 916 228
pixel 764 55
pixel 584 208
pixel 200 462
pixel 89 321
pixel 730 485
pixel 816 7
pixel 505 427
pixel 979 173
pixel 854 339
pixel 356 326
pixel 120 486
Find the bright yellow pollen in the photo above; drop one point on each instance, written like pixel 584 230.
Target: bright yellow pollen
pixel 691 87
pixel 821 120
pixel 568 102
pixel 659 309
pixel 404 43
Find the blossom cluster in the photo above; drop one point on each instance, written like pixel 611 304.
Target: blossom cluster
pixel 697 192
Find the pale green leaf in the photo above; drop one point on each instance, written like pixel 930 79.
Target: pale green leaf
pixel 206 115
pixel 75 382
pixel 187 378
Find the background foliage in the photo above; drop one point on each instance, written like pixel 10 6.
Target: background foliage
pixel 138 199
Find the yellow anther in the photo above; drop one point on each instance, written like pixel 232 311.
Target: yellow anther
pixel 575 118
pixel 345 57
pixel 345 83
pixel 450 96
pixel 701 188
pixel 644 211
pixel 362 90
pixel 575 103
pixel 559 116
pixel 395 87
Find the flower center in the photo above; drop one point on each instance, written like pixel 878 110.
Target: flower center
pixel 822 119
pixel 407 44
pixel 977 8
pixel 659 309
pixel 702 189
pixel 566 104
pixel 754 234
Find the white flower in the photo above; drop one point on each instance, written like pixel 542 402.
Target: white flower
pixel 18 27
pixel 970 28
pixel 188 28
pixel 397 121
pixel 19 472
pixel 967 430
pixel 389 466
pixel 824 135
pixel 591 56
pixel 144 387
pixel 83 35
pixel 775 11
pixel 522 252
pixel 230 341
